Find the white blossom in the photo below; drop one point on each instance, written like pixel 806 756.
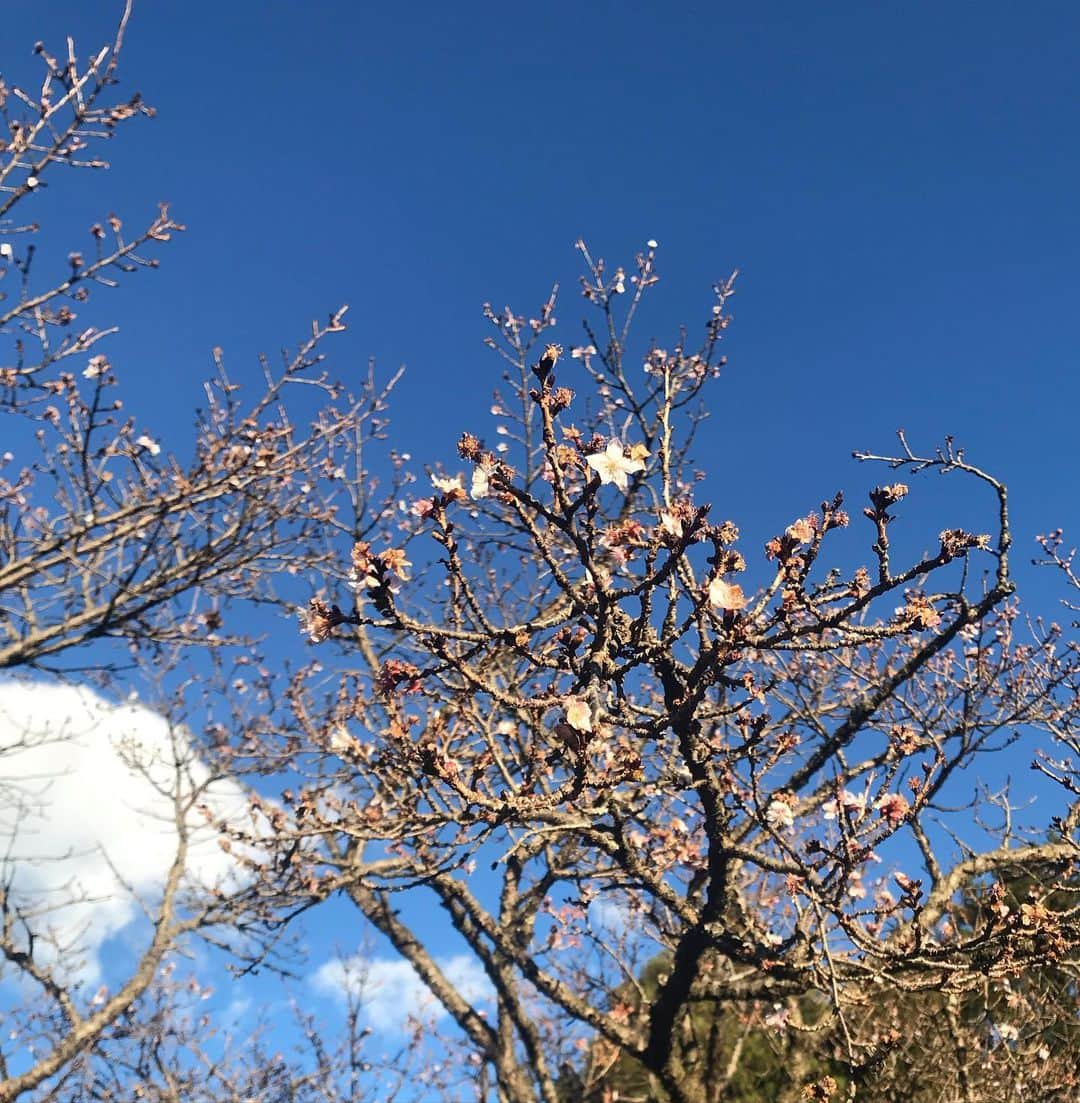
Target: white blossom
pixel 98 365
pixel 481 486
pixel 726 595
pixel 579 714
pixel 447 486
pixel 779 814
pixel 671 524
pixel 613 466
pixel 847 802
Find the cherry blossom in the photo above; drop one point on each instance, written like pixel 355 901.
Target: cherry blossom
pixel 481 481
pixel 726 595
pixel 394 560
pixel 579 714
pixel 780 813
pixel 448 486
pixel 671 524
pixel 98 365
pixel 893 807
pixel 801 531
pixel 854 803
pixel 613 465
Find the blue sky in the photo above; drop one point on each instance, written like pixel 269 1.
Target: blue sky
pixel 896 183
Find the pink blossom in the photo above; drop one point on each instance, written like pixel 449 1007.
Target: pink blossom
pixel 893 807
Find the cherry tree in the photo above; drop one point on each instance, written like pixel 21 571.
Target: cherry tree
pixel 134 569
pixel 681 799
pixel 570 707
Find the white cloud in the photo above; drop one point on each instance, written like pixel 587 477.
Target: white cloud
pixel 85 810
pixel 389 989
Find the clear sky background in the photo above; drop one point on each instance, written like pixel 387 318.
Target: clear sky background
pixel 897 184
